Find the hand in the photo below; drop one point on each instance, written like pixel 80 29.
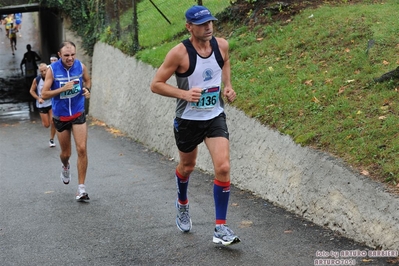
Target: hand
pixel 229 93
pixel 86 93
pixel 68 86
pixel 193 95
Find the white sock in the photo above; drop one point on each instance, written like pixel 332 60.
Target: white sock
pixel 82 188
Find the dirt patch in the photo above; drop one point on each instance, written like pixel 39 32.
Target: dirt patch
pixel 263 12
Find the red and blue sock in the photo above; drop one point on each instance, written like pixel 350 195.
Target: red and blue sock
pixel 221 194
pixel 182 186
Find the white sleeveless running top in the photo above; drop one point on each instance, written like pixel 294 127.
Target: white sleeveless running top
pixel 205 73
pixel 39 88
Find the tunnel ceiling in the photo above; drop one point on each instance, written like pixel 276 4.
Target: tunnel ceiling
pixel 19 8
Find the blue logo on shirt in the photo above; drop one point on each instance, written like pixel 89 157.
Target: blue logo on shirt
pixel 207 74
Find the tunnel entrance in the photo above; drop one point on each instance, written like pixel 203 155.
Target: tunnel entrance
pixel 41 28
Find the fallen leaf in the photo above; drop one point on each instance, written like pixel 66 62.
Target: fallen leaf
pixel 365 172
pixel 234 204
pixel 385 62
pixel 328 81
pixel 315 100
pixel 245 224
pixel 287 231
pixel 309 82
pixel 382 117
pixel 259 39
pixel 342 89
pixel 359 112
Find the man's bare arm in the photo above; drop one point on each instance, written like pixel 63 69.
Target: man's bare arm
pixel 172 62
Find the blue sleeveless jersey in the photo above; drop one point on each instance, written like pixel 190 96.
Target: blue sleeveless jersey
pixel 71 102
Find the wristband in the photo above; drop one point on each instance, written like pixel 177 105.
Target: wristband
pixel 88 89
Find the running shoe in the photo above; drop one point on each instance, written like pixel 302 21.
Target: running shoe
pixel 51 143
pixel 82 196
pixel 65 175
pixel 183 220
pixel 224 235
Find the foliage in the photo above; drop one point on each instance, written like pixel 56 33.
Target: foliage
pixel 87 18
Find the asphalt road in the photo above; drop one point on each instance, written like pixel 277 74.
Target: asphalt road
pixel 130 219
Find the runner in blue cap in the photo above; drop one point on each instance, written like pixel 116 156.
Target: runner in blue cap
pixel 201 65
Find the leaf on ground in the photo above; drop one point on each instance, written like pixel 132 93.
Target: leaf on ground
pixel 382 117
pixel 328 81
pixel 288 231
pixel 342 89
pixel 246 224
pixel 385 62
pixel 309 82
pixel 365 172
pixel 115 131
pixel 96 122
pixel 315 100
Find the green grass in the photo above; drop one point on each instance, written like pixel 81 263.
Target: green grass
pixel 311 78
pixel 154 29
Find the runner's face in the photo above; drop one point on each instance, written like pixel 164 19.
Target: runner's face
pixel 203 31
pixel 43 70
pixel 67 55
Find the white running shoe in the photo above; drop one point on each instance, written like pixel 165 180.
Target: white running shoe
pixel 51 143
pixel 183 220
pixel 224 235
pixel 82 195
pixel 65 174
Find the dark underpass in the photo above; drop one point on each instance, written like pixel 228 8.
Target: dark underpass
pixel 42 28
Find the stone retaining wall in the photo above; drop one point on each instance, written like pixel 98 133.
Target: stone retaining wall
pixel 304 181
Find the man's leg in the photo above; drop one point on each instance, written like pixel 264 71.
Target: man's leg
pixel 52 128
pixel 80 136
pixel 45 120
pixel 64 138
pixel 219 149
pixel 183 170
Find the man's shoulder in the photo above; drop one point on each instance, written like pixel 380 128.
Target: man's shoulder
pixel 179 48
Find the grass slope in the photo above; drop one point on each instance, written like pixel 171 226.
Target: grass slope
pixel 311 78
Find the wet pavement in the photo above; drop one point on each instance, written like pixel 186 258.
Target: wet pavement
pixel 130 219
pixel 15 101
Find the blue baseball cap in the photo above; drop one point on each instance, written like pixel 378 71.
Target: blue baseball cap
pixel 198 15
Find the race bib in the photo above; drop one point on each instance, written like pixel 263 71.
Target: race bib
pixel 72 92
pixel 208 100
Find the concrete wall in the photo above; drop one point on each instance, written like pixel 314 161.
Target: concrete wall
pixel 304 181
